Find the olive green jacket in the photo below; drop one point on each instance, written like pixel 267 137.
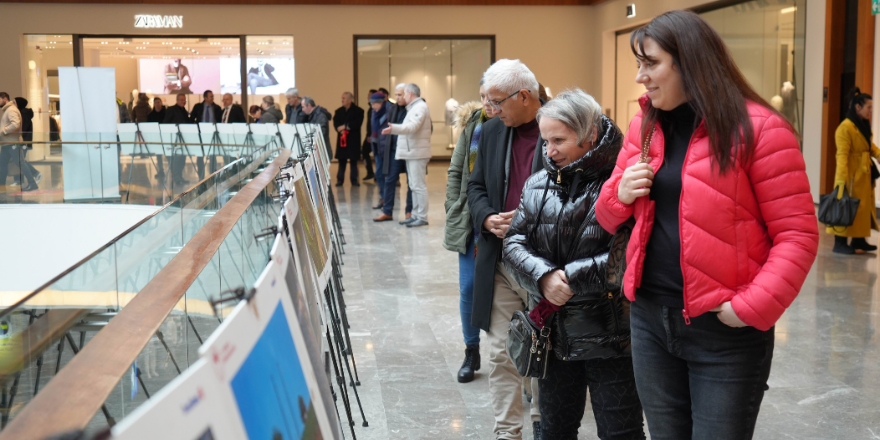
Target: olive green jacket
pixel 459 225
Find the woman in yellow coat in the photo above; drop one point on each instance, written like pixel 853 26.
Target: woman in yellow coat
pixel 854 163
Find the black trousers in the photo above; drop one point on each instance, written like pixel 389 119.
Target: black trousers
pixel 340 175
pixel 703 381
pixel 613 396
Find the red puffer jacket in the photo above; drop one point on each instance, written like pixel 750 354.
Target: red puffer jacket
pixel 748 236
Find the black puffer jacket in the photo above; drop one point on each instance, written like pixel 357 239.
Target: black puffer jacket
pixel 555 227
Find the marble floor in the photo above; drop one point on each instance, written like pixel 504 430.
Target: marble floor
pixel 402 295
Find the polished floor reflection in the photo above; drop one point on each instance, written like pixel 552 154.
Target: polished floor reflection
pixel 402 295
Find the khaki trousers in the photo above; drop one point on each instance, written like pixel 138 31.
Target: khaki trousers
pixel 505 383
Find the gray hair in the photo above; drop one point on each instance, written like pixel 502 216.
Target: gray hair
pixel 268 99
pixel 308 101
pixel 414 89
pixel 400 86
pixel 510 76
pixel 576 110
pixel 293 91
pixel 348 94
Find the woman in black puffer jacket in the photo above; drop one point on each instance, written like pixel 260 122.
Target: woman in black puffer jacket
pixel 556 249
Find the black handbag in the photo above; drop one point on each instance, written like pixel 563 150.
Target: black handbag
pixel 875 173
pixel 528 346
pixel 836 212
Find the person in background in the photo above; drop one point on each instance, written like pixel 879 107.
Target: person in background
pixel 509 151
pixel 415 149
pixel 855 149
pixel 367 147
pixel 141 111
pixel 27 135
pixel 207 110
pixel 460 234
pixel 381 113
pixel 570 270
pixel 392 168
pixel 10 131
pixel 271 114
pixel 158 113
pixel 293 110
pixel 320 116
pixel 177 114
pixel 232 112
pixel 725 231
pixel 123 114
pixel 347 122
pixel 255 112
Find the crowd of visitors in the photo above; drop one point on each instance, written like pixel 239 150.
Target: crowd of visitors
pixel 608 243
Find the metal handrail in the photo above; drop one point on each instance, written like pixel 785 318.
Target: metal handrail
pixel 127 143
pixel 78 391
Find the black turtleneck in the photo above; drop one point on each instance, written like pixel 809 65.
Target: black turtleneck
pixel 662 281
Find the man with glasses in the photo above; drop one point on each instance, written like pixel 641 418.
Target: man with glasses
pixel 509 152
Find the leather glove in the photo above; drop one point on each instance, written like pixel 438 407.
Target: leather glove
pixel 839 185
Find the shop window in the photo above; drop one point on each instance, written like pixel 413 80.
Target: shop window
pixel 766 41
pixel 447 71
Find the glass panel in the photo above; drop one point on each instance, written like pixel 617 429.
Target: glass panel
pixel 41 336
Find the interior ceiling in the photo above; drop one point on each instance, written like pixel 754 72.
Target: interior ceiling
pixel 176 47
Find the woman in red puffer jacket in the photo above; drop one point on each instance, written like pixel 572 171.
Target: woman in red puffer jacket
pixel 725 232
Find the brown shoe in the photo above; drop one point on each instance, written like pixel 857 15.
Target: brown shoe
pixel 383 218
pixel 408 215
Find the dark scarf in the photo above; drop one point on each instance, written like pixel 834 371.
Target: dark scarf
pixel 863 125
pixel 865 128
pixel 377 121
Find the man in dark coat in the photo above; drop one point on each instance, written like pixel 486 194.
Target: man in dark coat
pixel 232 112
pixel 320 116
pixel 177 114
pixel 509 152
pixel 207 110
pixel 347 122
pixel 391 167
pixel 30 173
pixel 293 111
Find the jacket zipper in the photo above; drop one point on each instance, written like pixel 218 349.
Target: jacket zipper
pixel 614 315
pixel 684 311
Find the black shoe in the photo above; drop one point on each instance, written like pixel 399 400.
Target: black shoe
pixel 860 244
pixel 840 246
pixel 369 177
pixel 338 183
pixel 470 365
pixel 536 427
pixel 355 184
pixel 33 186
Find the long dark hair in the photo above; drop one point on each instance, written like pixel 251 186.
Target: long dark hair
pixel 715 87
pixel 858 98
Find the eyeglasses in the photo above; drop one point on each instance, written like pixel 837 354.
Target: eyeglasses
pixel 497 104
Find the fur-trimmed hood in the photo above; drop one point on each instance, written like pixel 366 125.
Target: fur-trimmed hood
pixel 464 112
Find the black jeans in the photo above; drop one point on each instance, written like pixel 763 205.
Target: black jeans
pixel 613 396
pixel 340 175
pixel 699 381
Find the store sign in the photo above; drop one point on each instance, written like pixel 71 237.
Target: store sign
pixel 875 7
pixel 158 21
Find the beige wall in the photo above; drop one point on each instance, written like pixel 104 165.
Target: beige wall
pixel 553 41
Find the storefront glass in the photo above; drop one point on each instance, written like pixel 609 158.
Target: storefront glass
pixel 766 41
pixel 43 55
pixel 448 73
pixel 270 68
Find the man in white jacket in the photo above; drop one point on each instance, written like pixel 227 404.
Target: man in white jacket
pixel 414 146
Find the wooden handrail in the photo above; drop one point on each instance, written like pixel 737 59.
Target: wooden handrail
pixel 72 398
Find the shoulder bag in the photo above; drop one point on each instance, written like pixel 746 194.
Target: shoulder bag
pixel 836 212
pixel 528 346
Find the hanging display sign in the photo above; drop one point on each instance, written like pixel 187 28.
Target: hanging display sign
pixel 158 21
pixel 875 7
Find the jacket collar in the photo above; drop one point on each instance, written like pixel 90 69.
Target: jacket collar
pixel 410 105
pixel 598 163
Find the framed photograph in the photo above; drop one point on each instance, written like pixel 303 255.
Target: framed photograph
pixel 308 276
pixel 313 223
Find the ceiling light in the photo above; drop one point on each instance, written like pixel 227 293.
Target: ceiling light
pixel 788 10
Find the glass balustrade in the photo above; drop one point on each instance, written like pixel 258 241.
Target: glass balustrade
pixel 40 332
